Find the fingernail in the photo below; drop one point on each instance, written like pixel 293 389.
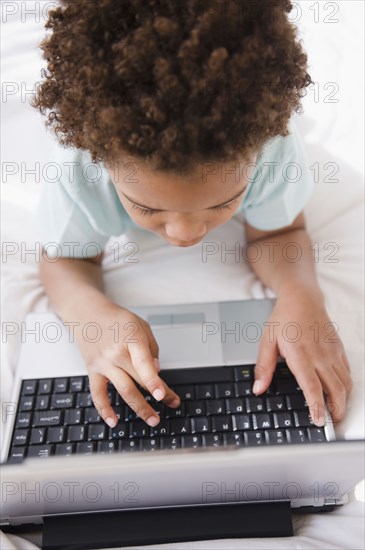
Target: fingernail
pixel 257 387
pixel 152 421
pixel 110 421
pixel 158 395
pixel 157 363
pixel 320 421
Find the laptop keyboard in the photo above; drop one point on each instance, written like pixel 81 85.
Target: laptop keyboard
pixel 56 416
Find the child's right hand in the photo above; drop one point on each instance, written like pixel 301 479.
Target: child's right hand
pixel 125 351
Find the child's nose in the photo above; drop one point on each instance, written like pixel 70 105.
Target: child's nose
pixel 185 230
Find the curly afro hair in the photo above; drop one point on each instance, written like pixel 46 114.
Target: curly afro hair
pixel 171 82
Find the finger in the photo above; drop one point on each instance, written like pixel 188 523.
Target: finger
pixel 311 385
pixel 126 388
pixel 99 395
pixel 345 361
pixel 345 377
pixel 265 365
pixel 151 339
pixel 143 364
pixel 171 399
pixel 336 395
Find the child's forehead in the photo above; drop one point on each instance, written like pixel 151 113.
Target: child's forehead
pixel 132 170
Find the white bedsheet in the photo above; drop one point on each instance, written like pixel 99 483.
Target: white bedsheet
pixel 332 133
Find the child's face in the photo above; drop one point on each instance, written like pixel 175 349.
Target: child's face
pixel 181 209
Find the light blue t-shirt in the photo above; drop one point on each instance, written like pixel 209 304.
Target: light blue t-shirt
pixel 79 209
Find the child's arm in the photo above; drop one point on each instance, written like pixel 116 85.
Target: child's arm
pixel 300 329
pixel 123 348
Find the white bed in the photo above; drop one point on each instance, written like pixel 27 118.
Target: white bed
pixel 332 132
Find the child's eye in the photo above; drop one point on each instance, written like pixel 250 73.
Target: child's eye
pixel 144 211
pixel 220 208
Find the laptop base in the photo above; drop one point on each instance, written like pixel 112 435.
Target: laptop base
pixel 167 525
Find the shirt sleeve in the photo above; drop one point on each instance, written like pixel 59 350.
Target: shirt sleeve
pixel 281 183
pixel 80 210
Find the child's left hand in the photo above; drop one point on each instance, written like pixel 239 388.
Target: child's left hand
pixel 301 332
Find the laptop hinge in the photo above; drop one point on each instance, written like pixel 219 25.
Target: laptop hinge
pixel 167 525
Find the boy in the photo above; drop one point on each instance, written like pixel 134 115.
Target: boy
pixel 187 107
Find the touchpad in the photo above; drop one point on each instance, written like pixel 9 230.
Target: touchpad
pixel 181 344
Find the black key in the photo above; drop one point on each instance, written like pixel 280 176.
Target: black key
pixel 261 421
pixel 160 408
pixel 241 422
pixel 76 383
pixel 296 402
pixel 37 436
pixel 302 418
pixel 316 435
pixel 91 415
pixel 73 416
pixel 186 393
pixel 16 455
pixel 224 389
pixel 129 445
pixel 175 413
pixel 56 434
pixel 106 447
pixel 76 433
pixel 96 432
pixel 84 400
pixel 87 447
pixel 47 418
pixel 275 403
pixel 198 375
pixel 45 385
pixel 152 444
pixel 287 386
pixel 215 406
pixel 26 403
pixel 205 391
pixel 20 437
pixel 296 436
pixel 275 437
pixel 221 423
pixel 254 438
pixel 139 428
pixel 282 371
pixel 243 389
pixel 162 428
pixel 232 438
pixel 86 384
pixel 64 449
pixel 212 440
pixel 60 385
pixel 171 442
pixel 236 405
pixel 41 402
pixel 255 404
pixel 41 451
pixel 23 420
pixel 29 387
pixel 283 420
pixel 195 408
pixel 120 430
pixel 129 414
pixel 180 425
pixel 243 373
pixel 200 424
pixel 62 400
pixel 270 390
pixel 191 441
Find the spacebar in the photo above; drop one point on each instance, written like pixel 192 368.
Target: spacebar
pixel 198 375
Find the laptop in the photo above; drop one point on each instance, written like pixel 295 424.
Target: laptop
pixel 221 450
